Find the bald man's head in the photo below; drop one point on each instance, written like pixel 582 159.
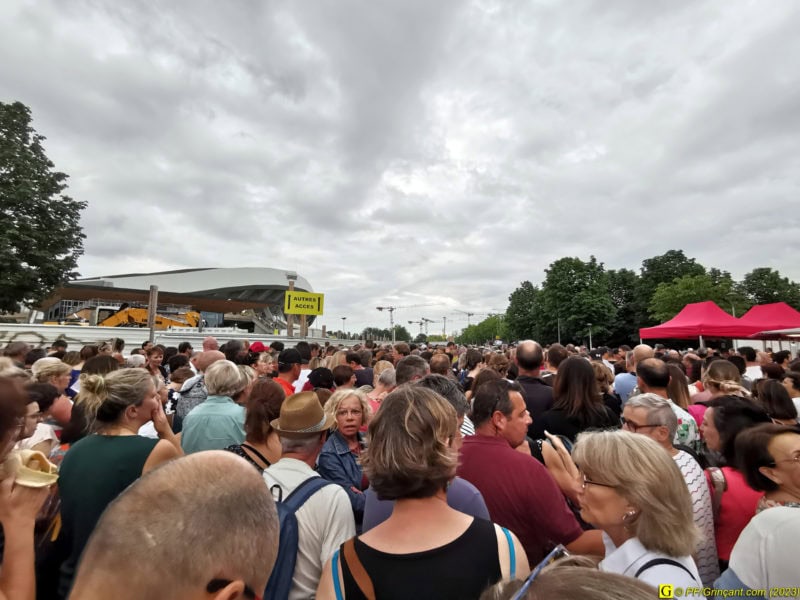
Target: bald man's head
pixel 202 517
pixel 642 352
pixel 529 356
pixel 206 359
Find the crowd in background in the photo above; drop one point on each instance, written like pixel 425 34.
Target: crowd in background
pixel 394 470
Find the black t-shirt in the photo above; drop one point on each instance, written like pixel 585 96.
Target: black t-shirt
pixel 538 398
pixel 557 422
pixel 460 570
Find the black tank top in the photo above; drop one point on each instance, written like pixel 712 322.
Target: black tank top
pixel 460 570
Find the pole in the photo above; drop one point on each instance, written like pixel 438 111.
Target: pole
pixel 391 323
pixel 290 318
pixel 590 336
pixel 702 343
pixel 152 307
pixel 343 330
pixel 733 310
pixel 444 327
pixel 558 317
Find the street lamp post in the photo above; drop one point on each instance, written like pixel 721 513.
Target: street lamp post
pixel 344 333
pixel 590 336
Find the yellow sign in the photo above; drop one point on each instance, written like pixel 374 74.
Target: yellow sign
pixel 303 303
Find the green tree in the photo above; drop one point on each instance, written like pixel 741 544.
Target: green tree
pixel 401 334
pixel 575 294
pixel 491 328
pixel 656 270
pixel 622 287
pixel 40 233
pixel 521 314
pixel 765 285
pixel 717 286
pixel 376 333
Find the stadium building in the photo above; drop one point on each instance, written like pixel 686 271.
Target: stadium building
pixel 250 297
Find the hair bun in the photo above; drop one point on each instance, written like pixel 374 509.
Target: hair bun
pixel 94 384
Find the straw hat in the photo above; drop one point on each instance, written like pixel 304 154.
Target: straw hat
pixel 302 416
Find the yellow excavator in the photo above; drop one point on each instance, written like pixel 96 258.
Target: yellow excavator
pixel 137 317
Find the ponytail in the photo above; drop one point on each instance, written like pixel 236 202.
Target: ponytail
pixel 91 397
pixel 105 398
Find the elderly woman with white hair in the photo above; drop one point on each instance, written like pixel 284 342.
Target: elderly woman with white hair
pixel 634 492
pixel 219 421
pixel 653 416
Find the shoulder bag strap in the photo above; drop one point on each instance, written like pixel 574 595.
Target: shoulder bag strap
pixel 337 584
pixel 662 561
pixel 257 453
pixel 357 570
pixel 512 553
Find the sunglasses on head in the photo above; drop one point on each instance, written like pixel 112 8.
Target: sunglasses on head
pixel 558 552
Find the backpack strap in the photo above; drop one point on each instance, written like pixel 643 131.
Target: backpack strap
pixel 662 561
pixel 357 570
pixel 337 584
pixel 304 491
pixel 512 553
pixel 719 485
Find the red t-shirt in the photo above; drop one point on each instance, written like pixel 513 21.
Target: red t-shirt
pixel 738 506
pixel 287 387
pixel 520 494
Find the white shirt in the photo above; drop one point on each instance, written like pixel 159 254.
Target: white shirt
pixel 631 556
pixel 301 381
pixel 44 432
pixel 707 562
pixel 753 372
pixel 324 522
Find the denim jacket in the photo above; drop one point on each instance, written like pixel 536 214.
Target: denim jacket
pixel 336 463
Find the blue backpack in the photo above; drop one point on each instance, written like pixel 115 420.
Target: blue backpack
pixel 280 581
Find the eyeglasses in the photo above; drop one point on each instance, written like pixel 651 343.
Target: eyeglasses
pixel 556 553
pixel 586 481
pixel 634 427
pixel 795 459
pixel 356 412
pixel 216 585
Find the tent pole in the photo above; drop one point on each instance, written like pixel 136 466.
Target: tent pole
pixel 702 343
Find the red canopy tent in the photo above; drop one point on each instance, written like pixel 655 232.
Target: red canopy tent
pixel 698 320
pixel 769 317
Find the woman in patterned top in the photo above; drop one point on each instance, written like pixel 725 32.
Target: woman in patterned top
pixel 770 460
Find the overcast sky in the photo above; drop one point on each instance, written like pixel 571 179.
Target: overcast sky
pixel 417 151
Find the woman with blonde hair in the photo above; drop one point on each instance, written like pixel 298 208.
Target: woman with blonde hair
pixel 99 467
pixel 340 458
pixel 634 492
pixel 719 378
pixel 413 553
pixel 58 374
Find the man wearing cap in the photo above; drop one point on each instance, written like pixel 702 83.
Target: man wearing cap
pixel 325 520
pixel 289 367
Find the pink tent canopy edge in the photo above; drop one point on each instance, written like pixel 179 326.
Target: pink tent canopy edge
pixel 699 319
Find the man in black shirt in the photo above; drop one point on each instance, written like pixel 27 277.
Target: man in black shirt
pixel 538 396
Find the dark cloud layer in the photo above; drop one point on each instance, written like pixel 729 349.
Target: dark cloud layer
pixel 415 152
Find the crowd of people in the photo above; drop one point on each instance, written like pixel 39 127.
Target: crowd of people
pixel 389 471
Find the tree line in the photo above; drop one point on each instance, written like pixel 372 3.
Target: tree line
pixel 580 298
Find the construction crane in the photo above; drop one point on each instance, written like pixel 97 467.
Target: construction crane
pixel 391 310
pixel 426 321
pixel 469 314
pixel 417 323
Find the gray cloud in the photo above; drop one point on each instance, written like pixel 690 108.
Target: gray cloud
pixel 406 153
